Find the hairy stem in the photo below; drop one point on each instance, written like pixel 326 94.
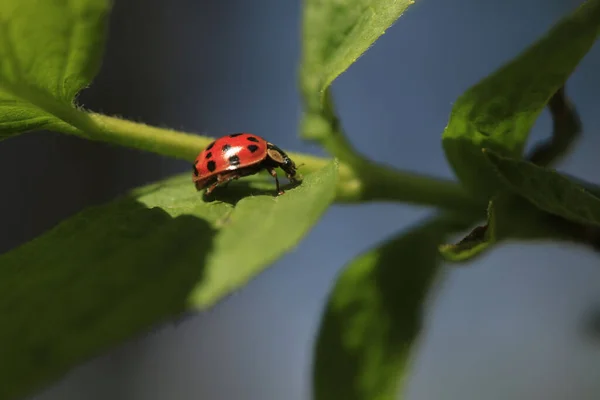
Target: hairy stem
pixel 163 141
pixel 362 182
pixel 324 127
pixel 382 183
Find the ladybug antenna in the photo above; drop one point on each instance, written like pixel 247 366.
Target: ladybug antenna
pixel 299 165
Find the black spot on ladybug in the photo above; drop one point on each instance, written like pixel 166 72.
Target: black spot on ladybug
pixel 211 166
pixel 208 155
pixel 252 148
pixel 252 139
pixel 235 134
pixel 226 147
pixel 210 146
pixel 234 160
pixel 195 171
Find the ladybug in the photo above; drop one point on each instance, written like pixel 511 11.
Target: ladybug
pixel 237 155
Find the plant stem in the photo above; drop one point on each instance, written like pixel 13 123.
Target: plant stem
pixel 361 182
pixel 324 127
pixel 382 183
pixel 163 141
pixel 566 130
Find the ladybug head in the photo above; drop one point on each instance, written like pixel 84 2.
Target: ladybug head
pixel 282 160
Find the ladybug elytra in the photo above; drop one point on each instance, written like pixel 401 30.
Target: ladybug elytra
pixel 238 155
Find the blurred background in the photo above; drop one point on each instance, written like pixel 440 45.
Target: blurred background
pixel 509 326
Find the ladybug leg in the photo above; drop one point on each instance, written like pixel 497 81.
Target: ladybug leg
pixel 211 188
pixel 222 180
pixel 274 175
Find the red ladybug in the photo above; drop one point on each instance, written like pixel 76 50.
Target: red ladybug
pixel 237 155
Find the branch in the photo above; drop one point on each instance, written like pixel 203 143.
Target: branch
pixel 566 130
pixel 367 182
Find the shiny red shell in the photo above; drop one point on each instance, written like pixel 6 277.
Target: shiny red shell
pixel 229 153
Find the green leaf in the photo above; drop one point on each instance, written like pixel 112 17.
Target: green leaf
pixel 476 242
pixel 374 315
pixel 547 189
pixel 49 51
pixel 113 271
pixel 499 111
pixel 335 33
pixel 509 217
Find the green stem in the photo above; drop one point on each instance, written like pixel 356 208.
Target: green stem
pixel 359 179
pixel 382 183
pixel 566 130
pixel 324 127
pixel 361 182
pixel 163 141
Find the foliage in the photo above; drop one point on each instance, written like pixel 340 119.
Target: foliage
pixel 374 314
pixel 113 271
pixel 498 112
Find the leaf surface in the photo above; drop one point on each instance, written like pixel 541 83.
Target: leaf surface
pixel 112 271
pixel 335 33
pixel 373 315
pixel 49 51
pixel 547 189
pixel 499 112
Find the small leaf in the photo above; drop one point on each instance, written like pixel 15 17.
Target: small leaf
pixel 499 111
pixel 49 51
pixel 336 33
pixel 113 271
pixel 374 315
pixel 470 246
pixel 476 242
pixel 547 189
